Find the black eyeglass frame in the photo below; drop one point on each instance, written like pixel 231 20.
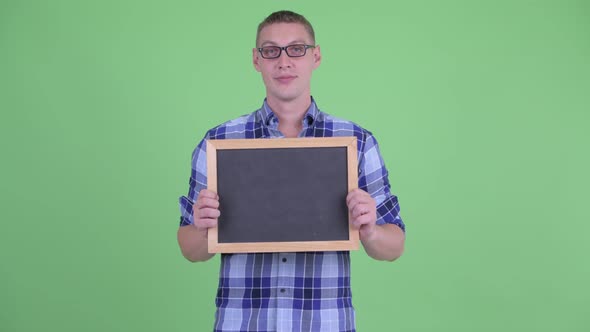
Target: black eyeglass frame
pixel 284 48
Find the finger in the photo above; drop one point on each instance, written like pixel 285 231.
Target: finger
pixel 357 191
pixel 206 223
pixel 208 213
pixel 206 202
pixel 361 221
pixel 208 193
pixel 353 194
pixel 360 209
pixel 358 195
pixel 353 202
pixel 365 219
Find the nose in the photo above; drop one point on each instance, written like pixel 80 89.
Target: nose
pixel 284 61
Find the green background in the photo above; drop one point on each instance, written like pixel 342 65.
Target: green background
pixel 480 107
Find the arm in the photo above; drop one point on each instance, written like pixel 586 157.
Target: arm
pixel 372 207
pixel 381 242
pixel 193 243
pixel 199 209
pixel 193 238
pixel 387 243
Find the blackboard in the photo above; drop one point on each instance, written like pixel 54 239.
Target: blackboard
pixel 280 195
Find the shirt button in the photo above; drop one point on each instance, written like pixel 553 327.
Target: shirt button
pixel 282 290
pixel 284 259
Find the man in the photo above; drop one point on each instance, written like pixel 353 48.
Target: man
pixel 291 291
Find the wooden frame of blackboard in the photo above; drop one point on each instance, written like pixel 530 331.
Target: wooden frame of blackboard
pixel 351 242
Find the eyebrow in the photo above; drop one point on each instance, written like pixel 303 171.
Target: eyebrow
pixel 271 43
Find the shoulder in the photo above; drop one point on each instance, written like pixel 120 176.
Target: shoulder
pixel 342 127
pixel 235 128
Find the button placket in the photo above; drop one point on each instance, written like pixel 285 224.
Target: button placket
pixel 286 273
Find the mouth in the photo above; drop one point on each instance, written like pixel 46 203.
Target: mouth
pixel 285 79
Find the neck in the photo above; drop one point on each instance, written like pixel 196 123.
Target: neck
pixel 290 114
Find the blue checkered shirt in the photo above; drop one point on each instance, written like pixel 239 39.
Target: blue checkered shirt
pixel 290 291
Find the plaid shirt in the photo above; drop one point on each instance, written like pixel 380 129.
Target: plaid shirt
pixel 290 291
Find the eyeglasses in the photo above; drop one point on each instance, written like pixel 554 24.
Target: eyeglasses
pixel 293 51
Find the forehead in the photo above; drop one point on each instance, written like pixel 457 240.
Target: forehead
pixel 283 34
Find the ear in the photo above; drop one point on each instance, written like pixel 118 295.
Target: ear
pixel 317 56
pixel 256 59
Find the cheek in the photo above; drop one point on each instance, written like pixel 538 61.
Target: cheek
pixel 266 72
pixel 308 69
pixel 266 77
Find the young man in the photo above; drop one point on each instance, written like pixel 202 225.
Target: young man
pixel 291 291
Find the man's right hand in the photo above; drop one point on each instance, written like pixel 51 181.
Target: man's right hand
pixel 206 210
pixel 193 238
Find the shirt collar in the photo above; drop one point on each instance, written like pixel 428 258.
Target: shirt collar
pixel 268 116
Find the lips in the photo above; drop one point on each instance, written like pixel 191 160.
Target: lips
pixel 284 79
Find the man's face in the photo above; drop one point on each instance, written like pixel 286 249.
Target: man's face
pixel 286 78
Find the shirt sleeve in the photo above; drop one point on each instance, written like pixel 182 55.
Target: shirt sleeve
pixel 197 182
pixel 373 178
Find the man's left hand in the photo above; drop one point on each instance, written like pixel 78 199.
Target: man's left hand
pixel 363 212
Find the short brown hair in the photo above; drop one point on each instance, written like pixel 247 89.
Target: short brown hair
pixel 286 16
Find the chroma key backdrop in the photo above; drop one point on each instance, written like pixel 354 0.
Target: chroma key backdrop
pixel 480 109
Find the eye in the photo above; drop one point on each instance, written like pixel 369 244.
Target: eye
pixel 270 51
pixel 297 49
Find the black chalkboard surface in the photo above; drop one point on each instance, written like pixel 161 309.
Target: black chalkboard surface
pixel 282 194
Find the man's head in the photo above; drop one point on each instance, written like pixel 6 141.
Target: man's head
pixel 285 16
pixel 286 56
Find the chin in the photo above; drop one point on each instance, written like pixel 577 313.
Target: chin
pixel 287 96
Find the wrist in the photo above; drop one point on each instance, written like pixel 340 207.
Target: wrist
pixel 368 234
pixel 201 230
